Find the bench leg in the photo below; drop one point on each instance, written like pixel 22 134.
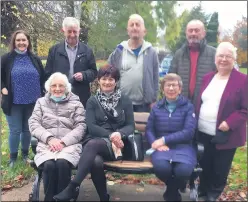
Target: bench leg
pixel 194 186
pixel 35 194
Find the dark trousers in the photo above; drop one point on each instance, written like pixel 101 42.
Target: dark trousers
pixel 172 174
pixel 56 177
pixel 91 160
pixel 141 108
pixel 216 165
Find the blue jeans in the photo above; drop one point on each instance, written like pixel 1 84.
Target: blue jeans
pixel 18 128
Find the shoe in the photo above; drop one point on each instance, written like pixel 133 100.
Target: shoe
pixel 172 197
pixel 70 193
pixel 211 198
pixel 25 159
pixel 12 163
pixel 202 193
pixel 107 198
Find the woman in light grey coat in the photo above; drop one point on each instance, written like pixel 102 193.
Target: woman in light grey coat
pixel 58 122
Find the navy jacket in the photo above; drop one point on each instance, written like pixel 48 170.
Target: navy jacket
pixel 85 63
pixel 177 128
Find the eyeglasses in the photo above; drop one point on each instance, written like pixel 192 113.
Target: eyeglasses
pixel 57 85
pixel 171 85
pixel 228 57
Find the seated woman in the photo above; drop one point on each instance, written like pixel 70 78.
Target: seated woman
pixel 58 122
pixel 109 117
pixel 222 113
pixel 170 131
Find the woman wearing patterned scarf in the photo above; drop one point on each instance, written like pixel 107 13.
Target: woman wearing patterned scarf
pixel 109 117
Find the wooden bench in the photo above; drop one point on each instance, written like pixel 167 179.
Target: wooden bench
pixel 127 167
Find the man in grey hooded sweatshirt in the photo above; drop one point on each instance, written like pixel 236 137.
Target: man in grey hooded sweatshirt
pixel 137 61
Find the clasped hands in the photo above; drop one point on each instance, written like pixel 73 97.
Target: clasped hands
pixel 159 145
pixel 56 144
pixel 115 138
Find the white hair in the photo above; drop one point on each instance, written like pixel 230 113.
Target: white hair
pixel 60 76
pixel 137 17
pixel 229 46
pixel 70 21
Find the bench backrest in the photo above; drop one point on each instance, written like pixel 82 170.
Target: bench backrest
pixel 140 119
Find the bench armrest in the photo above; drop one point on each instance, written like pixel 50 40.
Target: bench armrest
pixel 34 141
pixel 200 150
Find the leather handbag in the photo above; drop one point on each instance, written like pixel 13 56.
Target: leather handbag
pixel 221 137
pixel 133 143
pixel 133 147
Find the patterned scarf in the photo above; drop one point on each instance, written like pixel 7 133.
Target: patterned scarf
pixel 109 102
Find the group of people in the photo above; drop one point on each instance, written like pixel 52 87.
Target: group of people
pixel 205 99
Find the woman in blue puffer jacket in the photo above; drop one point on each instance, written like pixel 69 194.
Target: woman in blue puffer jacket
pixel 170 131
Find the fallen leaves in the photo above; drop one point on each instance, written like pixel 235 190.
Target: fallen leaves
pixel 111 183
pixel 140 189
pixel 19 178
pixel 7 187
pixel 242 194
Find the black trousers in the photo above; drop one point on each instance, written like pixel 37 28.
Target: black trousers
pixel 216 165
pixel 56 177
pixel 91 160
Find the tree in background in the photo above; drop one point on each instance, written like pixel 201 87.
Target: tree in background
pixel 212 30
pixel 195 13
pixel 173 30
pixel 240 41
pixel 9 22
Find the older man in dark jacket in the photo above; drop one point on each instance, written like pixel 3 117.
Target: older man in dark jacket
pixel 193 60
pixel 73 58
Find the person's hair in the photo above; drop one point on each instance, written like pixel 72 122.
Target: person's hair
pixel 229 46
pixel 137 17
pixel 70 21
pixel 13 38
pixel 60 76
pixel 196 22
pixel 109 70
pixel 171 77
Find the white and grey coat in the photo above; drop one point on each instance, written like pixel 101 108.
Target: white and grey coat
pixel 64 120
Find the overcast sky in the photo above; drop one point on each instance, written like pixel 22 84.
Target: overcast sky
pixel 229 11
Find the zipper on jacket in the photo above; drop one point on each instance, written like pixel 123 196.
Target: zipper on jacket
pixel 56 109
pixel 170 161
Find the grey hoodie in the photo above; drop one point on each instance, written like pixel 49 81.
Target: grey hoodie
pixel 139 75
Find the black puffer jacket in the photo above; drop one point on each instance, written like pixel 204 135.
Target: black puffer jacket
pixel 181 66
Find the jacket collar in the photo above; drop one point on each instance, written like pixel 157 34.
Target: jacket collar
pixel 203 44
pixel 180 102
pixel 81 50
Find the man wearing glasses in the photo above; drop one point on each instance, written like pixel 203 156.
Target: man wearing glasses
pixel 193 60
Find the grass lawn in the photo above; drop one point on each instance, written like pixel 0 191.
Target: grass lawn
pixel 243 70
pixel 21 173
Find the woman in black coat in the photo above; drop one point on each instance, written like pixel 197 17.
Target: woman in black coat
pixel 22 83
pixel 109 118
